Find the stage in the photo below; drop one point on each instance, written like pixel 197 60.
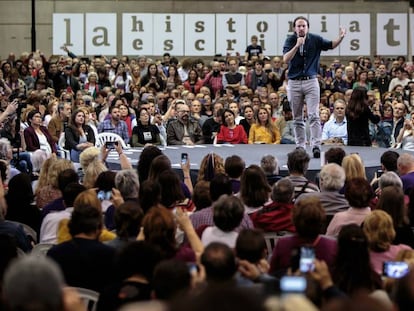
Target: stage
pixel 251 154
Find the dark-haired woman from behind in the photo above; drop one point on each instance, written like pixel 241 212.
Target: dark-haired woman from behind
pixel 354 274
pixel 358 114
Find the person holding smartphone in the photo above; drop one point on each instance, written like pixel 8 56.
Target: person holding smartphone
pixel 406 135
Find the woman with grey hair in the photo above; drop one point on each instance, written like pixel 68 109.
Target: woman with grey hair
pixel 126 181
pixel 6 154
pixel 270 166
pixel 389 179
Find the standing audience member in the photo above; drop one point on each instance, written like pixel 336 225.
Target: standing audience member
pixel 358 113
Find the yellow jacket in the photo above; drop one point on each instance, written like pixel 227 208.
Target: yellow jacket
pixel 259 133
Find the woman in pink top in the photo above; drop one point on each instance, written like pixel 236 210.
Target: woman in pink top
pixel 380 232
pixel 358 192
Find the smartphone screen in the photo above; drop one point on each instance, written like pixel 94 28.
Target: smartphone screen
pixel 184 158
pixel 395 269
pixel 293 284
pixel 307 258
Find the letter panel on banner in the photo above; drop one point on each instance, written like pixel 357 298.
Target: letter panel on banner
pixel 200 34
pixel 264 26
pixel 327 26
pixel 285 28
pixel 101 34
pixel 358 32
pixel 411 34
pixel 168 34
pixel 392 34
pixel 231 33
pixel 68 30
pixel 137 33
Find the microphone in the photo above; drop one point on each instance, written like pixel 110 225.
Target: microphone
pixel 301 47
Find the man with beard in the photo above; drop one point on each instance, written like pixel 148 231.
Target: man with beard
pixel 115 124
pixel 183 130
pixel 302 52
pixel 214 79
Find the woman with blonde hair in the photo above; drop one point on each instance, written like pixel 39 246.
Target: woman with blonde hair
pixel 92 172
pixel 85 198
pixel 211 165
pixel 48 188
pixel 353 167
pixel 379 229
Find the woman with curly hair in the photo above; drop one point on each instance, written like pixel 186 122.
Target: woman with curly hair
pixel 48 189
pixel 211 165
pixel 264 131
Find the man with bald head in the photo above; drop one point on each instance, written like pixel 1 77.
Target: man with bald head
pixel 405 166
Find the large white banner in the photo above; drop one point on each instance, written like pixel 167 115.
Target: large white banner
pixel 210 34
pixel 101 34
pixel 392 34
pixel 356 42
pixel 68 30
pixel 264 26
pixel 199 38
pixel 168 34
pixel 231 34
pixel 137 34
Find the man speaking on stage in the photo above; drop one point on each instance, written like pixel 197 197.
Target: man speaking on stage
pixel 302 52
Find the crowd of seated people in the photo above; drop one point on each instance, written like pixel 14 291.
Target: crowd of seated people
pixel 144 234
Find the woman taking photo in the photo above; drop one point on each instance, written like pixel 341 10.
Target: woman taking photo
pixel 358 114
pixel 153 79
pixel 78 135
pixel 121 80
pixel 264 131
pixel 173 79
pixel 230 132
pixel 36 135
pixel 145 133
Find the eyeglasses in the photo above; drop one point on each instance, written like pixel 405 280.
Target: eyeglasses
pixel 185 111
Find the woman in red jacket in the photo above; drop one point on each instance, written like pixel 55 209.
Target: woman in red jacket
pixel 230 132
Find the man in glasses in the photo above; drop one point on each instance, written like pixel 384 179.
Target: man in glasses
pixel 184 130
